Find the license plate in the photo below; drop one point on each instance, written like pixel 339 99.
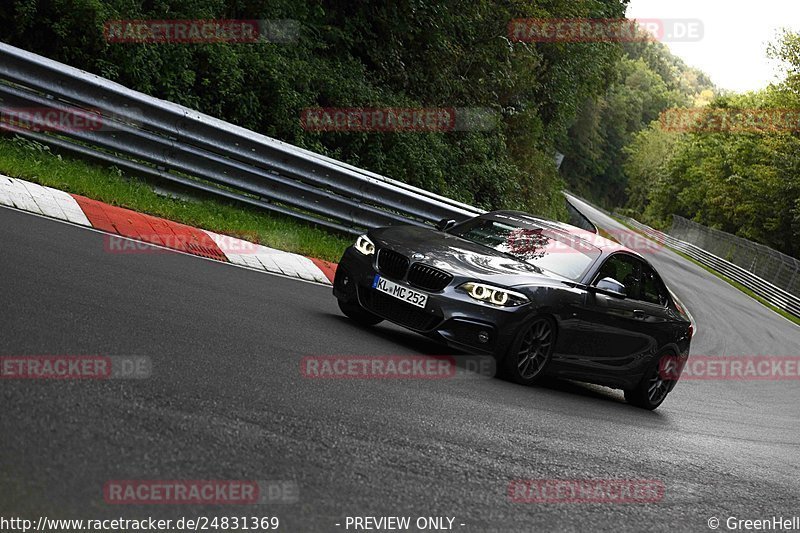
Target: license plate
pixel 401 293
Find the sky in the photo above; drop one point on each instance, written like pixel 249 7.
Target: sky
pixel 735 34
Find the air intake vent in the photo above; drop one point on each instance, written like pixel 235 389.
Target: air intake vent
pixel 398 312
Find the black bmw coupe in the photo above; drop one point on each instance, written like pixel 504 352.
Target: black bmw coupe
pixel 542 297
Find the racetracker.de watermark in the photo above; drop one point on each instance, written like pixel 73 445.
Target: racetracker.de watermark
pixel 540 241
pixel 729 120
pixel 61 118
pixel 67 367
pixel 199 492
pixel 584 30
pixel 398 119
pixel 586 491
pixel 167 242
pixel 50 119
pixel 199 31
pixel 53 119
pixel 397 367
pixel 731 368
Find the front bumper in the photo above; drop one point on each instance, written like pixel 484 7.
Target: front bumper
pixel 449 316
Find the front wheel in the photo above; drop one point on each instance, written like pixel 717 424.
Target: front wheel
pixel 652 390
pixel 355 312
pixel 531 352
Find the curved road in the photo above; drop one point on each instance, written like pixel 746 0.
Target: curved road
pixel 226 400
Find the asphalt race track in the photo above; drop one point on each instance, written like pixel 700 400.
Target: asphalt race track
pixel 226 400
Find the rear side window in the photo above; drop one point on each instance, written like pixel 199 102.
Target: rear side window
pixel 653 289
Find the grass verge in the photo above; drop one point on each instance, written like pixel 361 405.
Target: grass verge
pixel 24 159
pixel 723 277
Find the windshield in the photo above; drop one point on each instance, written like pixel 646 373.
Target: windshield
pixel 548 249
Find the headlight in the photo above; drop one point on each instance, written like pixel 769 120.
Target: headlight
pixel 364 245
pixel 493 295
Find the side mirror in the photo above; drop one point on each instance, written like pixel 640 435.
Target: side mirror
pixel 445 224
pixel 611 287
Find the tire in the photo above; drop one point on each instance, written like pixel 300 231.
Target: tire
pixel 355 312
pixel 652 389
pixel 531 352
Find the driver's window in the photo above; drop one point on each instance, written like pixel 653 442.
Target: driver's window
pixel 624 269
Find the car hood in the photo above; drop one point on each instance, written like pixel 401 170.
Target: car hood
pixel 459 256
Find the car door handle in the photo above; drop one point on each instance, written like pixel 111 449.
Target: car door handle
pixel 638 313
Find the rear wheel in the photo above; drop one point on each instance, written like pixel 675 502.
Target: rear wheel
pixel 355 312
pixel 652 390
pixel 531 352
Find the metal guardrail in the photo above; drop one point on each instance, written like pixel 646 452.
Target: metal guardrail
pixel 156 139
pixel 769 292
pixel 768 264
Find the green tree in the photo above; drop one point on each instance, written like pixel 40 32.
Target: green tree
pixel 409 53
pixel 744 181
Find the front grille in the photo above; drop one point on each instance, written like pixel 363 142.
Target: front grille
pixel 399 312
pixel 392 264
pixel 428 278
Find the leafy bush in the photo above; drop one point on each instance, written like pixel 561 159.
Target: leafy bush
pixel 409 53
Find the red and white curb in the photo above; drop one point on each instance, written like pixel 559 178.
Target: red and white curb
pixel 41 200
pixel 83 211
